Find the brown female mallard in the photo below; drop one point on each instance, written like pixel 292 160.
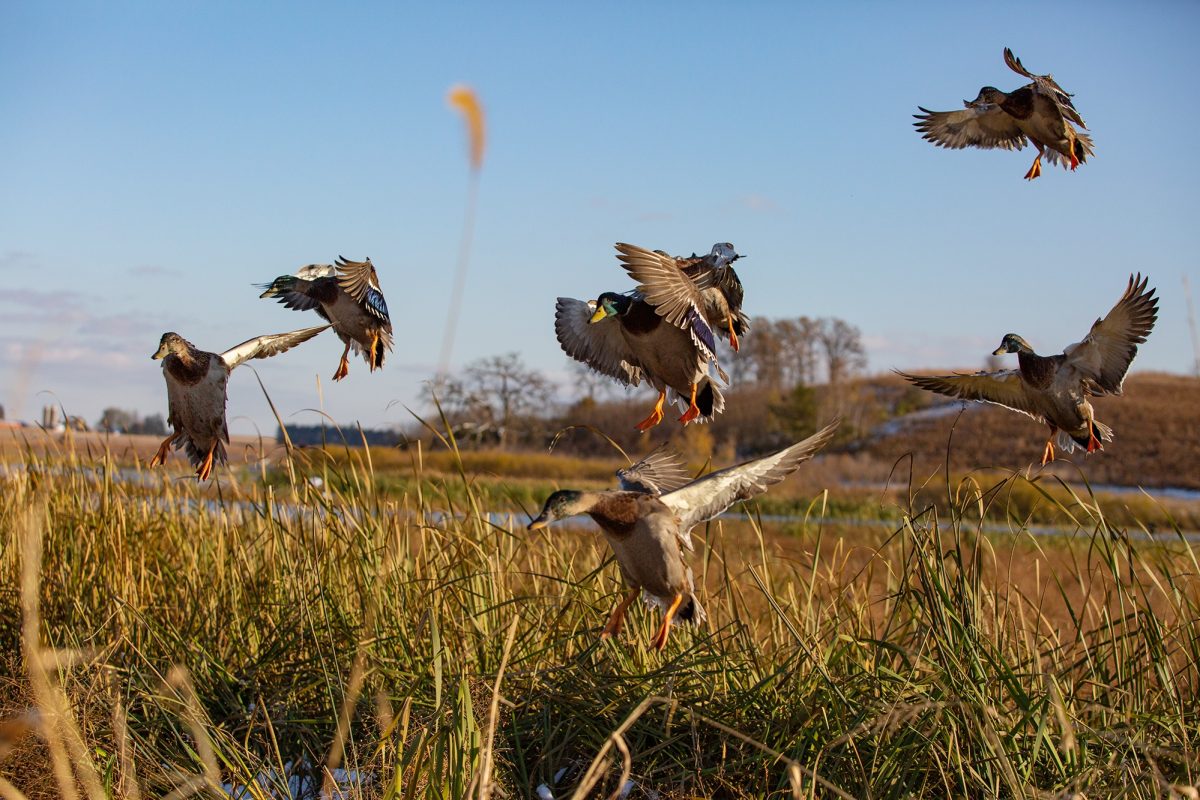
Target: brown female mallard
pixel 1054 389
pixel 1040 112
pixel 648 523
pixel 196 392
pixel 348 295
pixel 712 275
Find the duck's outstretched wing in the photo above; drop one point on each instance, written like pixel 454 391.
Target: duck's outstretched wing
pixel 1046 85
pixel 674 296
pixel 1106 352
pixel 600 346
pixel 266 346
pixel 1004 388
pixel 661 471
pixel 359 280
pixel 706 498
pixel 984 126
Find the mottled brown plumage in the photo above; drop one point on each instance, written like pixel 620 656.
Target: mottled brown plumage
pixel 649 531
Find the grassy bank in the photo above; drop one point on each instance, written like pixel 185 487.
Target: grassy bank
pixel 173 640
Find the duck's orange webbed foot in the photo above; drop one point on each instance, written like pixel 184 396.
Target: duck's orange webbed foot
pixel 161 456
pixel 1048 453
pixel 1035 170
pixel 613 627
pixel 693 411
pixel 205 468
pixel 660 638
pixel 656 416
pixel 733 340
pixel 1094 444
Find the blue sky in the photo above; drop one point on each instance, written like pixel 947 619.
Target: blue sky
pixel 157 159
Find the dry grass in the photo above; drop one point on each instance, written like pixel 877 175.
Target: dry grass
pixel 239 634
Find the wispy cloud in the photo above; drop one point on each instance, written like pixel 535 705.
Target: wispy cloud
pixel 153 271
pixel 17 259
pixel 758 202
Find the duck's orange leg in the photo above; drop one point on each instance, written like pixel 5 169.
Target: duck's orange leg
pixel 1094 444
pixel 161 456
pixel 692 410
pixel 613 628
pixel 660 638
pixel 656 416
pixel 205 468
pixel 344 365
pixel 374 347
pixel 1048 452
pixel 733 340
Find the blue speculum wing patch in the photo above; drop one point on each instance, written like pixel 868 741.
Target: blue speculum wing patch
pixel 377 305
pixel 702 332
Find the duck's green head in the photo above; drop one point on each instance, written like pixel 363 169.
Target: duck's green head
pixel 560 505
pixel 988 96
pixel 170 342
pixel 609 304
pixel 1012 344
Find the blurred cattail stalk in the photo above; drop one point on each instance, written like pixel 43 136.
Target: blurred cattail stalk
pixel 464 100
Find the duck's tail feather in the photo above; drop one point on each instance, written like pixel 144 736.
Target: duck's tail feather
pixel 690 610
pixel 1067 442
pixel 709 399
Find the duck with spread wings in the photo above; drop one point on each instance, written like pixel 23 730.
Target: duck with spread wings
pixel 1040 112
pixel 197 391
pixel 713 274
pixel 1054 389
pixel 648 522
pixel 347 294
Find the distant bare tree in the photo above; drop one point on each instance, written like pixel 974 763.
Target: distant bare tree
pixel 498 392
pixel 843 348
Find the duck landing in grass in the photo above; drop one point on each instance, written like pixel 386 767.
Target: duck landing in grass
pixel 347 294
pixel 1054 389
pixel 648 523
pixel 196 392
pixel 1040 112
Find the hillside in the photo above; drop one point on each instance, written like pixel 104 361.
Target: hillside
pixel 1156 438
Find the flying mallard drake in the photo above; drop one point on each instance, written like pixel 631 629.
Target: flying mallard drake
pixel 622 336
pixel 196 392
pixel 347 294
pixel 1054 389
pixel 1041 112
pixel 648 523
pixel 713 275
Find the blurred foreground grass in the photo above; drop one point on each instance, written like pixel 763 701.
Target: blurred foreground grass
pixel 161 639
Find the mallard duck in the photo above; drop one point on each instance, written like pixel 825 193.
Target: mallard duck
pixel 713 275
pixel 1054 389
pixel 649 526
pixel 1040 111
pixel 621 336
pixel 348 295
pixel 196 392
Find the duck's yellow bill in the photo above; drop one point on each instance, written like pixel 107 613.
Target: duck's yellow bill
pixel 537 524
pixel 598 315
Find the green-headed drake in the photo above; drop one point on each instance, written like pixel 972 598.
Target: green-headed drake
pixel 1054 389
